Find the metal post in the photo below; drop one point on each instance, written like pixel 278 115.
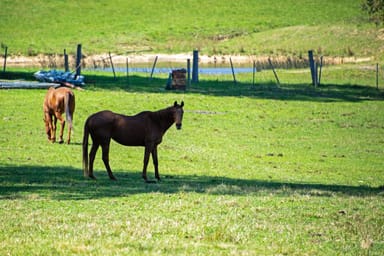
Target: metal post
pixel 274 72
pixel 113 68
pixel 233 71
pixel 153 68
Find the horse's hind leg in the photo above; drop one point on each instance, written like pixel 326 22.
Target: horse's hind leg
pixel 53 128
pixel 147 152
pixel 92 155
pixel 62 122
pixel 105 148
pixel 49 126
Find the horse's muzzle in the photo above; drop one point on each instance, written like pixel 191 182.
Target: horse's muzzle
pixel 178 126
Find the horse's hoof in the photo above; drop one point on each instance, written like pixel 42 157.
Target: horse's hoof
pixel 92 177
pixel 112 178
pixel 61 142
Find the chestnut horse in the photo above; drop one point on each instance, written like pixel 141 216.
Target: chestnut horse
pixel 144 129
pixel 56 102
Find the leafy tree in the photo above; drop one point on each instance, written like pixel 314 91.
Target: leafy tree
pixel 375 10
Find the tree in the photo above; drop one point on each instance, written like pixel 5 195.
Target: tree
pixel 375 10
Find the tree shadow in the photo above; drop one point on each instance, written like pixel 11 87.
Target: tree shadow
pixel 67 183
pixel 269 90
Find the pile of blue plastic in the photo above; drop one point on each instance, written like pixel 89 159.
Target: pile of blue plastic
pixel 54 76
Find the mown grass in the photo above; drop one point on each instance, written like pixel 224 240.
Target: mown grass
pixel 258 169
pixel 289 28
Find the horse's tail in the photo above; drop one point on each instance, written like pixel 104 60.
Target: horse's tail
pixel 85 149
pixel 69 101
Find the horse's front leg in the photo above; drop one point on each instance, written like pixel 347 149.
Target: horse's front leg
pixel 155 163
pixel 105 157
pixel 147 153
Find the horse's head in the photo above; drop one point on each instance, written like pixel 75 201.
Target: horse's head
pixel 178 114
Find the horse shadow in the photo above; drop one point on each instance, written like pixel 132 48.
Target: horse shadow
pixel 68 183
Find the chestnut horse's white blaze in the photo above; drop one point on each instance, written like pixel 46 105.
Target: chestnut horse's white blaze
pixel 144 129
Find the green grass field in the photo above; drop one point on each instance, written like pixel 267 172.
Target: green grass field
pixel 289 28
pixel 256 170
pixel 288 170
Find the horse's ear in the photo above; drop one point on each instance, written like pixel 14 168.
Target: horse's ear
pixel 175 104
pixel 182 104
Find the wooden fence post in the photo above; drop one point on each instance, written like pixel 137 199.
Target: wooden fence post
pixel 195 67
pixel 321 67
pixel 78 60
pixel 312 66
pixel 66 66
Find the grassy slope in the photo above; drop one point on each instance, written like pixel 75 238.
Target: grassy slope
pixel 225 27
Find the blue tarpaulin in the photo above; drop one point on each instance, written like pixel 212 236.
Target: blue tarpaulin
pixel 55 76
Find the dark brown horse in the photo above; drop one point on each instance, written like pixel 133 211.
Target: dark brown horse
pixel 144 129
pixel 56 102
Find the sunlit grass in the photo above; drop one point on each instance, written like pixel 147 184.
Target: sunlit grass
pixel 261 169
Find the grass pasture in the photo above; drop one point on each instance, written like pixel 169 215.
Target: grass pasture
pixel 256 170
pixel 263 170
pixel 272 28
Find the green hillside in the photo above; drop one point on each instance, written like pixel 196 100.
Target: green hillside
pixel 333 28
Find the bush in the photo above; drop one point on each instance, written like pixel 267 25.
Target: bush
pixel 375 10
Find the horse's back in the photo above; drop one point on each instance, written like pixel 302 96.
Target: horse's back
pixel 54 99
pixel 62 92
pixel 126 130
pixel 101 119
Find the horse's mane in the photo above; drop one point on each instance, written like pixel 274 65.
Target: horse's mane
pixel 162 114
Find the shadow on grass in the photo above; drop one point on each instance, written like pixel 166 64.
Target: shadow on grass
pixel 65 183
pixel 301 92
